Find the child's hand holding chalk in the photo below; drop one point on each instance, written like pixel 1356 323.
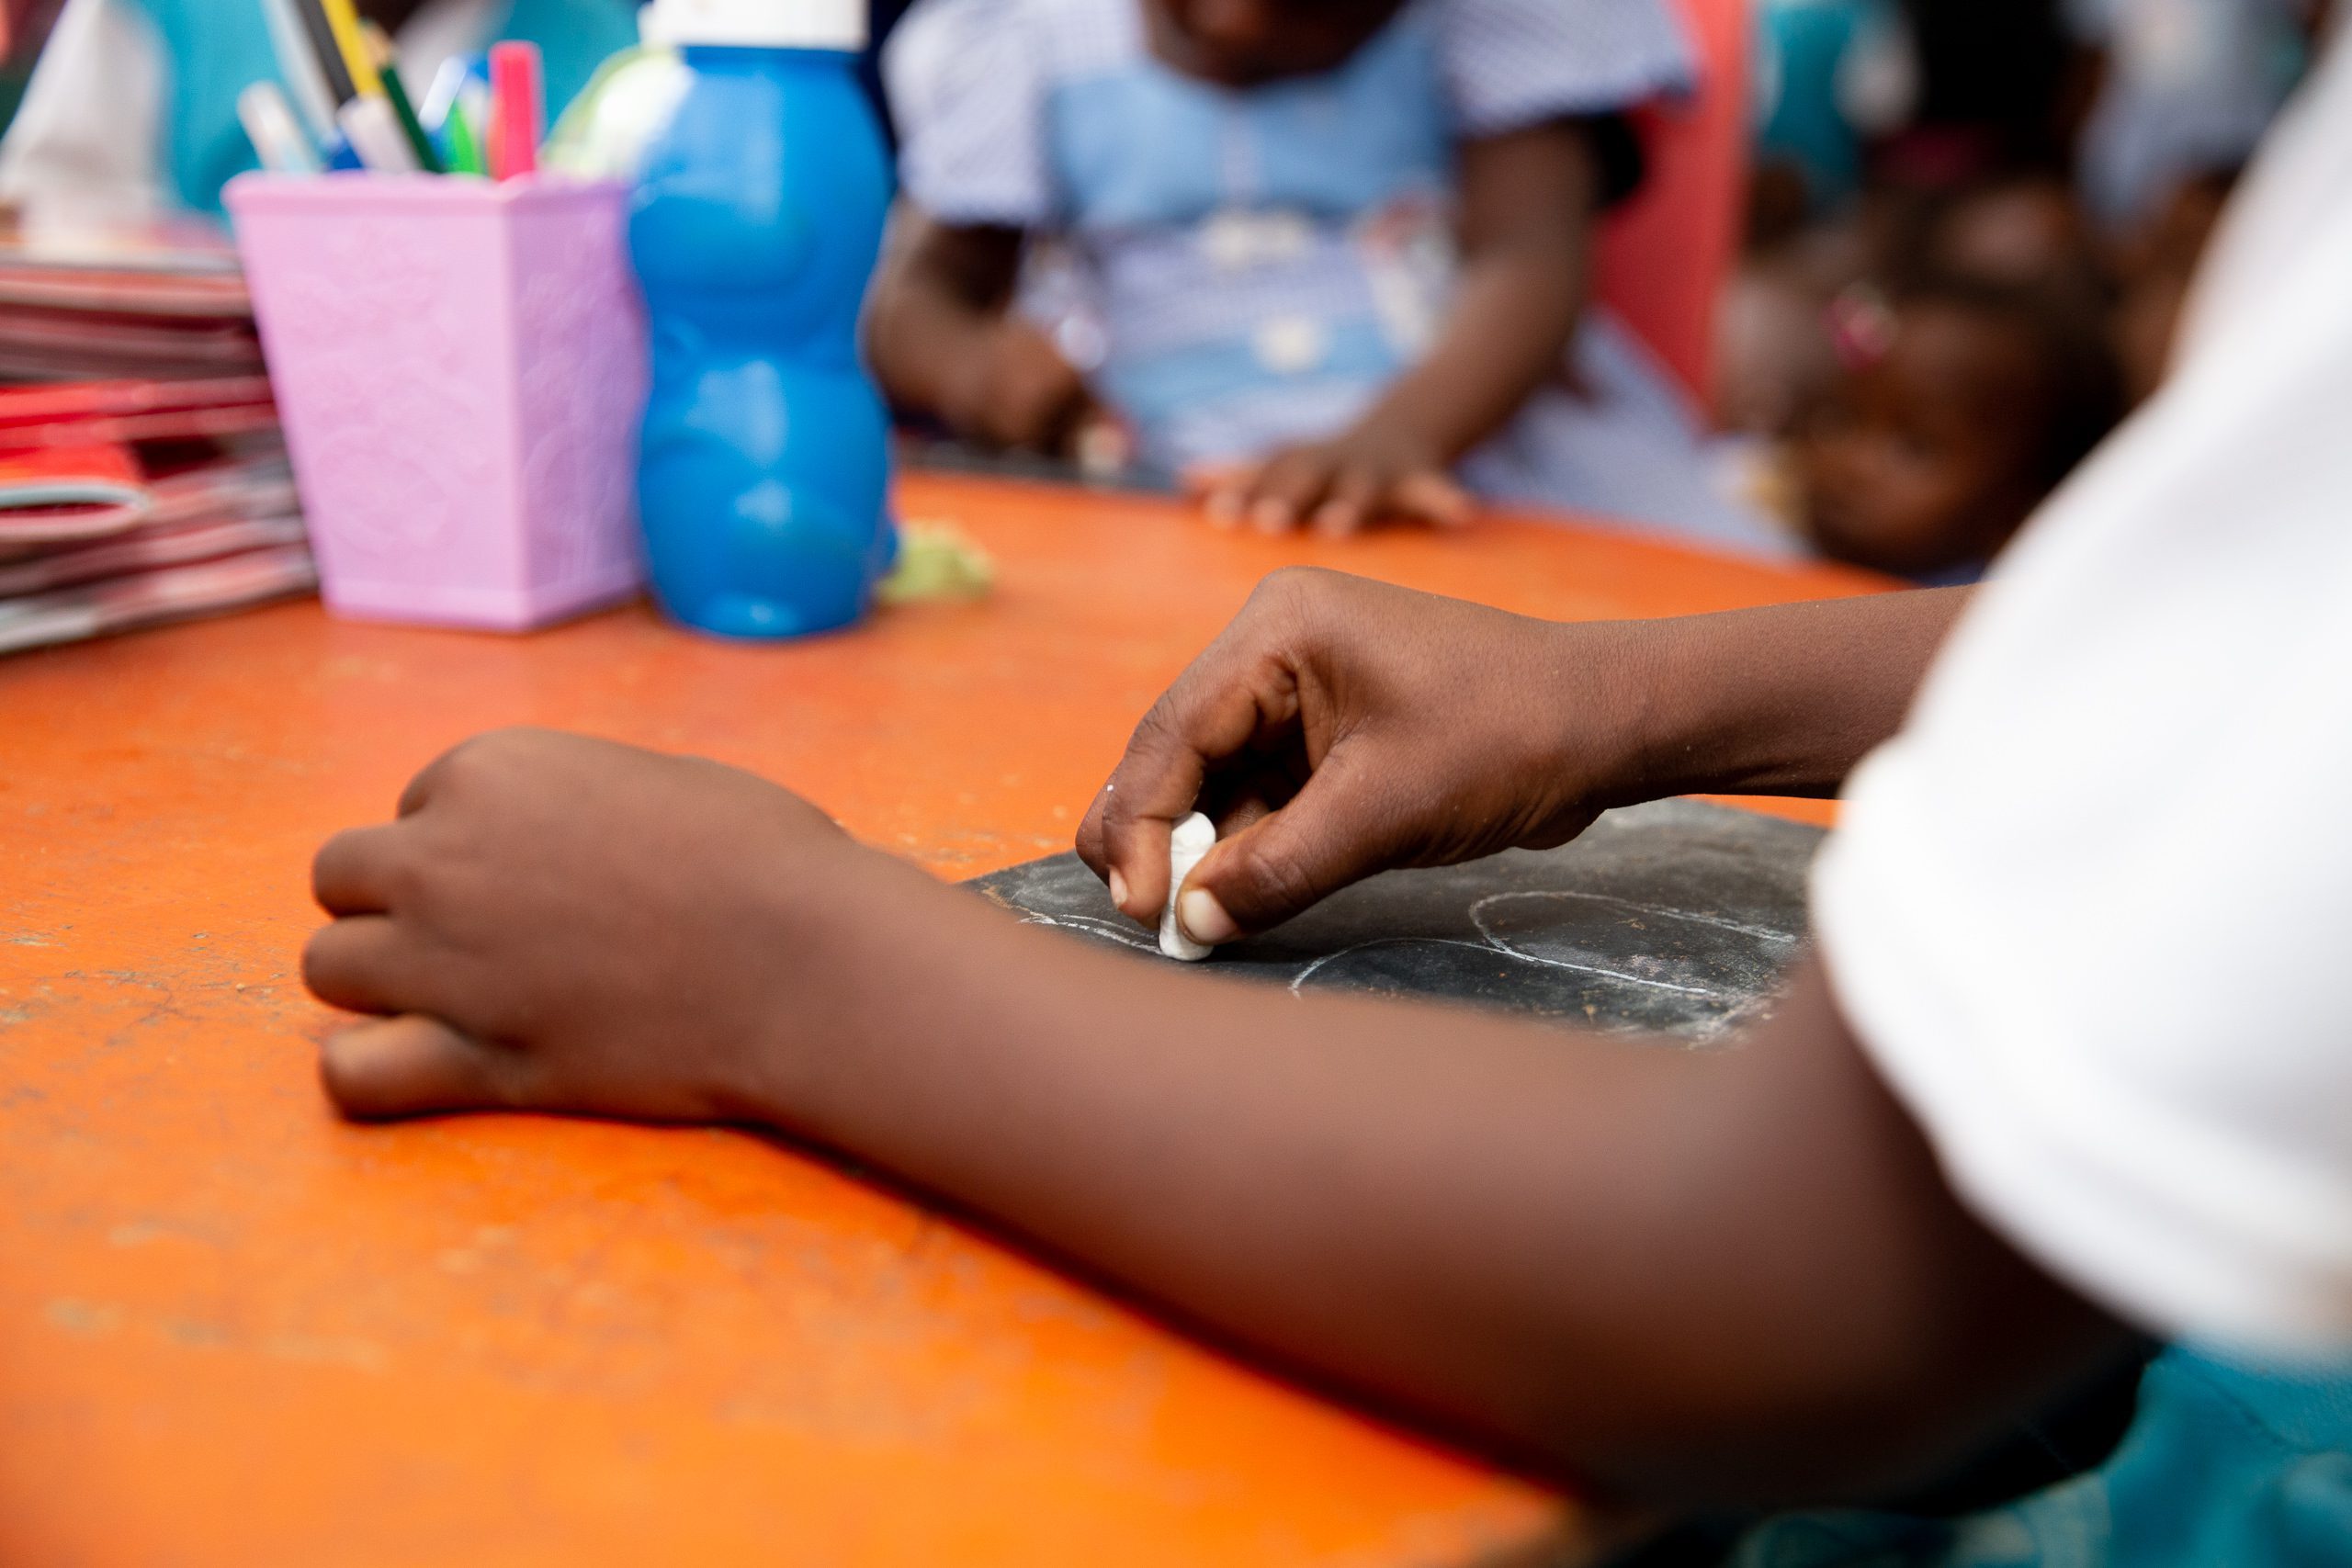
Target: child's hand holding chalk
pixel 1341 727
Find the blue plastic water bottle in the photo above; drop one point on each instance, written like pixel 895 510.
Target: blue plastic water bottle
pixel 757 217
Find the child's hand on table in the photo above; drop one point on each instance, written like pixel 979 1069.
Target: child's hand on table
pixel 1341 727
pixel 1370 474
pixel 586 921
pixel 1527 201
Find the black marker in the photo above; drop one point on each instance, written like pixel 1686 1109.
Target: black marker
pixel 332 65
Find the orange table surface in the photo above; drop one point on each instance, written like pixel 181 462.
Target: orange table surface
pixel 235 1330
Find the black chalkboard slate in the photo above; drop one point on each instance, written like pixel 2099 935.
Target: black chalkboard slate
pixel 1675 917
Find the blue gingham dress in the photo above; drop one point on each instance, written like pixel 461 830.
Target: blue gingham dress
pixel 1251 267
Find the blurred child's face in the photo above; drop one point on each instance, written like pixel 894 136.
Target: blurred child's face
pixel 1925 460
pixel 1240 43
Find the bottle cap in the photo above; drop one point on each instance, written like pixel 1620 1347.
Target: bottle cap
pixel 757 24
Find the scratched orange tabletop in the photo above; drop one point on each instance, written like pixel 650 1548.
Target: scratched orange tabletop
pixel 234 1330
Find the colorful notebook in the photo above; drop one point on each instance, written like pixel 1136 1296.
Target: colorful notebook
pixel 151 597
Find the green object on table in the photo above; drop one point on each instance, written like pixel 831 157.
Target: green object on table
pixel 937 561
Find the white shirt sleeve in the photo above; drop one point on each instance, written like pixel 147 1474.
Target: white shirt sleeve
pixel 2091 912
pixel 88 139
pixel 965 91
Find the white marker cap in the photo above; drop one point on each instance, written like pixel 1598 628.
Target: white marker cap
pixel 757 24
pixel 374 132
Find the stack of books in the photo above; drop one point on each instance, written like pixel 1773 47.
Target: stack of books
pixel 142 474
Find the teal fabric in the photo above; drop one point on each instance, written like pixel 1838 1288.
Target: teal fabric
pixel 2223 1465
pixel 217 47
pixel 1802 50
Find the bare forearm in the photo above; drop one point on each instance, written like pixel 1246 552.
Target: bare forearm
pixel 1545 1243
pixel 938 293
pixel 1781 700
pixel 921 334
pixel 1506 335
pixel 1528 199
pixel 943 339
pixel 1706 1273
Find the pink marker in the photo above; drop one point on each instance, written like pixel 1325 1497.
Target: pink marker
pixel 515 111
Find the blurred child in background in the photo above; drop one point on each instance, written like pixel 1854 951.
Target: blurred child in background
pixel 2154 262
pixel 2184 87
pixel 2054 196
pixel 1908 383
pixel 1334 252
pixel 1964 403
pixel 132 110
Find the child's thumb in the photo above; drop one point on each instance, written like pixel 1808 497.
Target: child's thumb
pixel 1286 862
pixel 407 1066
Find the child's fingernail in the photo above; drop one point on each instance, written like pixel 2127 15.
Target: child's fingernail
pixel 1203 918
pixel 1271 516
pixel 1118 889
pixel 1336 519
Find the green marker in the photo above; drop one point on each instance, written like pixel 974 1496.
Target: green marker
pixel 427 158
pixel 465 153
pixel 396 92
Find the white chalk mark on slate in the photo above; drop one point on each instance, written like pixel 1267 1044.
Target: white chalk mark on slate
pixel 1087 925
pixel 1478 919
pixel 1763 933
pixel 1304 974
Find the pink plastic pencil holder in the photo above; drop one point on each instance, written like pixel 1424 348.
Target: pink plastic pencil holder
pixel 460 367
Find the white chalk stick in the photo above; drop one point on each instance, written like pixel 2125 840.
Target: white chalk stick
pixel 1191 838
